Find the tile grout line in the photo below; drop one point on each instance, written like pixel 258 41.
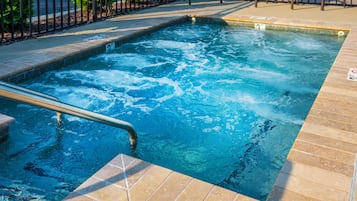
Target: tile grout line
pixel 133 161
pixel 324 146
pixel 113 165
pixel 86 195
pixel 209 193
pixel 91 197
pixel 183 190
pixel 353 182
pixel 331 137
pixel 140 178
pixel 153 193
pixel 125 177
pixel 108 182
pixel 236 197
pixel 306 179
pixel 345 172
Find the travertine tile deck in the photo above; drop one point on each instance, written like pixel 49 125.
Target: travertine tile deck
pixel 321 163
pixel 126 178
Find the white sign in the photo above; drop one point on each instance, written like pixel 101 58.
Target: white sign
pixel 260 27
pixel 352 74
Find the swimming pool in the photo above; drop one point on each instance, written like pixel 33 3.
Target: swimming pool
pixel 220 103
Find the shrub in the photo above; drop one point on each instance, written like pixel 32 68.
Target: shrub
pixel 87 3
pixel 17 11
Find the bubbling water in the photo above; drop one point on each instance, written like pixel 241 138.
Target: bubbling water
pixel 219 103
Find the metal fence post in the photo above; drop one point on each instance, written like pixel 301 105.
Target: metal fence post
pixel 94 9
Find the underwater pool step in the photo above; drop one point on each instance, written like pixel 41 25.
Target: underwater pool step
pixel 5 122
pixel 128 178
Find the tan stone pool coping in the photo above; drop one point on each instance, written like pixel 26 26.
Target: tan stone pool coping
pixel 126 178
pixel 321 163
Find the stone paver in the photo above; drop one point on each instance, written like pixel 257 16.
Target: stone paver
pixel 149 182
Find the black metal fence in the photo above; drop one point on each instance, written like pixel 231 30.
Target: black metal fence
pixel 20 19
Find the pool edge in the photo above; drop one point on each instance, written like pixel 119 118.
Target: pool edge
pixel 287 186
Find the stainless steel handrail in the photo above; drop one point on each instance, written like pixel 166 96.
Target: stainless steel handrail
pixel 58 114
pixel 42 100
pixel 27 90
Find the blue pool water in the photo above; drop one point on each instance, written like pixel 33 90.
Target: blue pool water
pixel 220 103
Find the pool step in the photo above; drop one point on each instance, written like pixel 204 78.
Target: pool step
pixel 128 178
pixel 5 122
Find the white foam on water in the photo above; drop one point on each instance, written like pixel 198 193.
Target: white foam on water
pixel 96 37
pixel 124 59
pixel 129 81
pixel 169 44
pixel 73 118
pixel 200 90
pixel 261 74
pixel 230 81
pixel 306 44
pixel 180 67
pixel 261 107
pixel 206 119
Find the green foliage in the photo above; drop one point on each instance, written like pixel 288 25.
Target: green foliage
pixel 20 13
pixel 88 3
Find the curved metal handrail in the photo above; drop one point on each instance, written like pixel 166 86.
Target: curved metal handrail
pixel 58 114
pixel 42 100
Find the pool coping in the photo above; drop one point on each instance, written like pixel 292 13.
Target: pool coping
pixel 14 71
pixel 126 178
pixel 325 148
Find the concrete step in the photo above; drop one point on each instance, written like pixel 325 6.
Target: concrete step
pixel 5 122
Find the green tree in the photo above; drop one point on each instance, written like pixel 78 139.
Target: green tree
pixel 21 12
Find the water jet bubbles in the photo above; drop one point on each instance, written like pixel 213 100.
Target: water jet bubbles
pixel 340 33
